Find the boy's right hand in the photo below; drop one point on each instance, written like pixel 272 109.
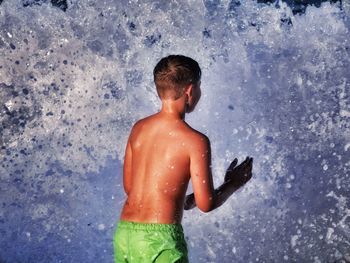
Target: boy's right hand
pixel 241 174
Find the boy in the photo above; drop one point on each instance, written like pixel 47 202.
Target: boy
pixel 162 154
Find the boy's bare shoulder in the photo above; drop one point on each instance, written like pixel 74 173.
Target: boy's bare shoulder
pixel 140 123
pixel 196 136
pixel 189 134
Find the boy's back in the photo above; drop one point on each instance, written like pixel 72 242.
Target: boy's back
pixel 162 154
pixel 158 169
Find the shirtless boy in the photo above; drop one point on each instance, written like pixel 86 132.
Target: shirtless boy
pixel 163 154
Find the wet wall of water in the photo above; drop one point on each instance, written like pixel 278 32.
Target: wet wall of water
pixel 75 75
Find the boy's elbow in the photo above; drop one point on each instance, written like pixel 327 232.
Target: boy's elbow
pixel 205 210
pixel 207 207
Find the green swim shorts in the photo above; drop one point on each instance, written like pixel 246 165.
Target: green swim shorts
pixel 149 242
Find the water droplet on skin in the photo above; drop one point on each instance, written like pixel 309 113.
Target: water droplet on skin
pixel 165 191
pixel 183 144
pixel 174 189
pixel 203 181
pixel 172 167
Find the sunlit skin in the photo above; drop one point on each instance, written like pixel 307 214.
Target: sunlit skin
pixel 163 154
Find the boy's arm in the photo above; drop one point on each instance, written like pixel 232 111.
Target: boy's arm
pixel 222 193
pixel 200 171
pixel 127 168
pixel 234 179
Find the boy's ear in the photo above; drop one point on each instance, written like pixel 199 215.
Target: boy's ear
pixel 189 90
pixel 188 93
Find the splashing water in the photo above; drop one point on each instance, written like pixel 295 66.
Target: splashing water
pixel 275 86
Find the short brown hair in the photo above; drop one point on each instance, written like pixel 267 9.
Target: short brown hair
pixel 173 73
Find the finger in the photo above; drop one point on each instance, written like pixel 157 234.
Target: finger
pixel 250 162
pixel 235 161
pixel 242 164
pixel 233 164
pixel 247 160
pixel 249 166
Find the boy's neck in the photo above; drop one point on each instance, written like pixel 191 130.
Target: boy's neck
pixel 173 109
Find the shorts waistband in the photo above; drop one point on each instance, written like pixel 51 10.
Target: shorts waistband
pixel 174 228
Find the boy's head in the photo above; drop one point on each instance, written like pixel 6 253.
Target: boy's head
pixel 173 74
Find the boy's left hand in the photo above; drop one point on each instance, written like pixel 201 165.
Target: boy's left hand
pixel 189 202
pixel 239 174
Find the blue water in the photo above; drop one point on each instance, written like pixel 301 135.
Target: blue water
pixel 75 75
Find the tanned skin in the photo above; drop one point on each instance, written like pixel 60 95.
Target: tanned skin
pixel 162 155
